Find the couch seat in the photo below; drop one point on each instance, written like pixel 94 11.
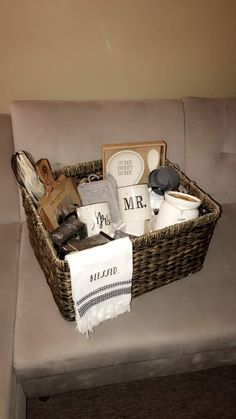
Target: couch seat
pixel 184 326
pixel 9 256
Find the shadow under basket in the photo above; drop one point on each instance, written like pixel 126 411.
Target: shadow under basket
pixel 159 257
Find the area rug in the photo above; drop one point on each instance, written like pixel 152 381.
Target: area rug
pixel 209 394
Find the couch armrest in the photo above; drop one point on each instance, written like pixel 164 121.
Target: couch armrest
pixel 9 202
pixel 9 256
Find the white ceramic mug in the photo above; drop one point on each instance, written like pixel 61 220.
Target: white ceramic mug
pixel 135 209
pixel 176 208
pixel 97 217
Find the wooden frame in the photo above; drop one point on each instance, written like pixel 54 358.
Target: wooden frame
pixel 131 163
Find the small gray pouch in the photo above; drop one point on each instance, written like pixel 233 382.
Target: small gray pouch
pixel 102 191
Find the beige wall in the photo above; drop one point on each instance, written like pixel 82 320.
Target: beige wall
pixel 112 49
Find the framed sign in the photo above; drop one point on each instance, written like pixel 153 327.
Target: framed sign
pixel 131 163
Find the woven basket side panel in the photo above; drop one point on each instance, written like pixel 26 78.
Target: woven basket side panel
pixel 170 259
pixel 58 279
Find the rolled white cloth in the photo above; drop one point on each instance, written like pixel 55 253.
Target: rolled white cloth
pixel 101 279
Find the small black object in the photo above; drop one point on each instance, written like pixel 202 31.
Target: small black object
pixel 106 235
pixel 163 179
pixel 71 227
pixel 76 244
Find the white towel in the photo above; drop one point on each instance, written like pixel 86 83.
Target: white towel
pixel 101 279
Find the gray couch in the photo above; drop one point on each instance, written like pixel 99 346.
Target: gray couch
pixel 184 326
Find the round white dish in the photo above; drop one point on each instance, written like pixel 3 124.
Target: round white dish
pixel 126 167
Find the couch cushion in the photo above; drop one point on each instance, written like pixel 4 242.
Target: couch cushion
pixel 186 325
pixel 9 255
pixel 211 146
pixel 9 206
pixel 72 132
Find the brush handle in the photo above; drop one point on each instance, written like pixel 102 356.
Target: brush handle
pixel 45 174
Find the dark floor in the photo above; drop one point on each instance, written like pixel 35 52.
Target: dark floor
pixel 209 394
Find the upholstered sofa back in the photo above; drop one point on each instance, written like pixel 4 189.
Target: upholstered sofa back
pixel 71 132
pixel 210 146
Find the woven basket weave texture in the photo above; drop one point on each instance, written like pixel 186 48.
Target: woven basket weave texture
pixel 159 258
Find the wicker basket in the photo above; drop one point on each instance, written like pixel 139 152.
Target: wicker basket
pixel 158 258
